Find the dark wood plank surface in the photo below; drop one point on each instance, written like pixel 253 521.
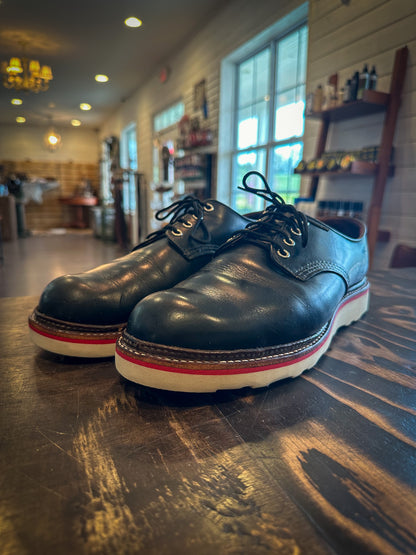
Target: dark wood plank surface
pixel 325 463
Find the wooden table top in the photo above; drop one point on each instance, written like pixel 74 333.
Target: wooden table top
pixel 325 463
pixel 79 201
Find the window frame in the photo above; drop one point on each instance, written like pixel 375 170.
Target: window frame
pixel 226 180
pixel 271 144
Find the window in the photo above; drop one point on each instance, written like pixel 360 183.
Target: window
pixel 128 161
pixel 168 117
pixel 269 117
pixel 163 136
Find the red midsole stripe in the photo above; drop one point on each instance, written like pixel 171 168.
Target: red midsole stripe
pixel 248 370
pixel 73 340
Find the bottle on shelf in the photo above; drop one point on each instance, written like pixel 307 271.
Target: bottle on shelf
pixel 318 99
pixel 354 86
pixel 363 82
pixel 373 79
pixel 309 104
pixel 301 167
pixel 347 91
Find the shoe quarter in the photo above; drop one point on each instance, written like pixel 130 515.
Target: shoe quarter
pixel 326 251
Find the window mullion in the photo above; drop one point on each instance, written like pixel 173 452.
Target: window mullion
pixel 272 105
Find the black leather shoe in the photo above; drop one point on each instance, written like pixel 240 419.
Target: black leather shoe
pixel 84 314
pixel 265 308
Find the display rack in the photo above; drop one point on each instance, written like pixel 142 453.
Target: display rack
pixel 372 102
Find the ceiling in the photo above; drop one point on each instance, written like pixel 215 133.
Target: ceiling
pixel 80 38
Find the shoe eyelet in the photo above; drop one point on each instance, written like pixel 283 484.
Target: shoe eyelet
pixel 177 232
pixel 283 253
pixel 208 207
pixel 187 224
pixel 289 242
pixel 195 217
pixel 296 231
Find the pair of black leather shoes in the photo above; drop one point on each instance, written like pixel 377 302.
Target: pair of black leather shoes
pixel 215 300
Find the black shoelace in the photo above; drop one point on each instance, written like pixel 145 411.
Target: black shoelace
pixel 189 205
pixel 278 223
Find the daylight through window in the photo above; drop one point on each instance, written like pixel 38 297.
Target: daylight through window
pixel 269 117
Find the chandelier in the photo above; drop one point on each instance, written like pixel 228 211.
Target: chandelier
pixel 26 75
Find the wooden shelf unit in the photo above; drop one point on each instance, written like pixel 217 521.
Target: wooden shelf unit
pixel 372 102
pixel 358 168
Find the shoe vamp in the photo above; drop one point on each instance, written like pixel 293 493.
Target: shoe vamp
pixel 108 294
pixel 239 300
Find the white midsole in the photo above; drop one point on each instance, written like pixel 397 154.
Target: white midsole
pixel 200 383
pixel 68 348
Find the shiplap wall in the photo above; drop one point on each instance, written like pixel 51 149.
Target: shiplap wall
pixel 341 39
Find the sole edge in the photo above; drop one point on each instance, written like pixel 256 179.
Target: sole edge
pixel 186 381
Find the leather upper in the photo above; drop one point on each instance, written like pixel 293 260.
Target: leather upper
pixel 107 294
pixel 329 250
pixel 251 296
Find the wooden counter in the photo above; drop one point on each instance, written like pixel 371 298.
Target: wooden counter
pixel 325 463
pixel 79 205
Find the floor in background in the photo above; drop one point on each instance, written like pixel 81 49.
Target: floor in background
pixel 31 263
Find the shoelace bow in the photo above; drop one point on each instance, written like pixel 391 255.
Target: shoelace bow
pixel 177 210
pixel 277 224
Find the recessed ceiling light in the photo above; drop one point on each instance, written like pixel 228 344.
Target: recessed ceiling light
pixel 133 22
pixel 85 106
pixel 75 122
pixel 101 78
pixel 16 101
pixel 20 119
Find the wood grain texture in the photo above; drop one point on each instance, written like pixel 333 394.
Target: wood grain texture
pixel 325 463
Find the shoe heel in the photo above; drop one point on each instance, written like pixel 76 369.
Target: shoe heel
pixel 352 309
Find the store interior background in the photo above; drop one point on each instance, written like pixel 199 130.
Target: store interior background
pixel 342 36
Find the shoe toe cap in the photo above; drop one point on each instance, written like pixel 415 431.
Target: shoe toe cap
pixel 195 321
pixel 71 298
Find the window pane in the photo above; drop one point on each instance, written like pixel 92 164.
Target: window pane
pixel 132 149
pixel 287 62
pixel 303 50
pixel 290 85
pixel 284 161
pixel 252 160
pixel 246 83
pixel 254 79
pixel 289 117
pixel 168 117
pixel 253 125
pixel 262 76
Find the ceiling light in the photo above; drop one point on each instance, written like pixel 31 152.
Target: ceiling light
pixel 75 122
pixel 20 119
pixel 16 101
pixel 101 78
pixel 133 22
pixel 85 106
pixel 52 140
pixel 27 75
